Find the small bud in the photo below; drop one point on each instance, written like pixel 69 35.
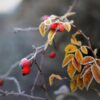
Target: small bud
pixel 52 55
pixel 1 83
pixel 25 71
pixel 25 63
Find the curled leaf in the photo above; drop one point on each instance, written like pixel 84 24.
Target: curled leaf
pixel 76 64
pixel 87 60
pixel 73 84
pixel 95 51
pixel 67 59
pixel 70 48
pixel 97 62
pixel 54 77
pixel 78 56
pixel 87 78
pixel 42 29
pixel 96 72
pixel 84 49
pixel 67 26
pixel 71 70
pixel 51 36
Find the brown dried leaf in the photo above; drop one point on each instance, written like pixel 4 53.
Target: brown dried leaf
pixel 67 59
pixel 76 64
pixel 73 84
pixel 87 78
pixel 87 60
pixel 84 49
pixel 54 77
pixel 96 72
pixel 78 56
pixel 71 70
pixel 80 82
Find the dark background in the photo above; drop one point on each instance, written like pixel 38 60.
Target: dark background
pixel 13 46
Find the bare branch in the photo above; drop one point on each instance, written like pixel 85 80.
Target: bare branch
pixel 6 93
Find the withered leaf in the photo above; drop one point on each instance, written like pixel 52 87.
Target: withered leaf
pixel 76 64
pixel 70 48
pixel 71 70
pixel 87 60
pixel 67 59
pixel 54 77
pixel 80 82
pixel 84 49
pixel 73 84
pixel 87 78
pixel 78 56
pixel 96 72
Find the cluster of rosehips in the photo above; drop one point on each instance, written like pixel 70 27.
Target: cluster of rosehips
pixel 27 63
pixel 59 26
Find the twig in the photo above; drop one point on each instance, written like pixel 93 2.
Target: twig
pixel 6 93
pixel 25 29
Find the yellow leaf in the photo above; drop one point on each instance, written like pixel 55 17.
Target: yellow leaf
pixel 73 84
pixel 51 36
pixel 84 69
pixel 71 70
pixel 76 65
pixel 87 78
pixel 96 72
pixel 42 29
pixel 80 84
pixel 67 26
pixel 54 77
pixel 87 60
pixel 67 59
pixel 78 56
pixel 75 42
pixel 70 48
pixel 84 49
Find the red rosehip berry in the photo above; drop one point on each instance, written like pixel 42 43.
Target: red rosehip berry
pixel 52 55
pixel 26 70
pixel 54 26
pixel 1 83
pixel 45 17
pixel 61 28
pixel 25 63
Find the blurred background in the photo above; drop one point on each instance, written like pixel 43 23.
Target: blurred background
pixel 14 46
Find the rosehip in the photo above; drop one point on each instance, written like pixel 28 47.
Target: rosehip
pixel 1 83
pixel 25 63
pixel 26 71
pixel 52 55
pixel 61 28
pixel 54 26
pixel 45 17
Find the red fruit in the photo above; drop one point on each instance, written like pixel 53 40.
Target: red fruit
pixel 45 17
pixel 26 71
pixel 54 26
pixel 52 55
pixel 61 28
pixel 25 63
pixel 1 83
